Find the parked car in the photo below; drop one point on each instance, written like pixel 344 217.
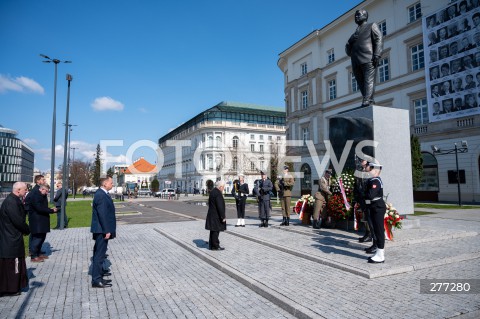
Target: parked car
pixel 165 192
pixel 144 192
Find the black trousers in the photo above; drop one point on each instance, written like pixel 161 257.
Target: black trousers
pixel 36 244
pixel 365 76
pixel 213 241
pixel 99 251
pixel 240 202
pixel 377 213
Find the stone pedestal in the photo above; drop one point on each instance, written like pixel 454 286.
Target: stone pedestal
pixel 390 127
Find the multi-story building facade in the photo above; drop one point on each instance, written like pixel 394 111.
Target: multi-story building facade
pixel 319 84
pixel 221 142
pixel 16 160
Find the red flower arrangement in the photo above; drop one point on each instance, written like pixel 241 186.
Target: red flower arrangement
pixel 336 207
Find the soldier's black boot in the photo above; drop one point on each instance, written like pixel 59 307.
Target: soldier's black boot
pixel 262 224
pixel 288 221
pixel 315 224
pixel 365 238
pixel 284 222
pixel 266 223
pixel 372 249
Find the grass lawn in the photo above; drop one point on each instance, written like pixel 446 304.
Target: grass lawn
pixel 445 206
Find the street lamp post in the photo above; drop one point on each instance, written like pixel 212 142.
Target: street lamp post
pixel 54 123
pixel 68 155
pixel 456 150
pixel 65 164
pixel 72 170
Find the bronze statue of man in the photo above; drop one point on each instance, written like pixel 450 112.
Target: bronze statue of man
pixel 365 47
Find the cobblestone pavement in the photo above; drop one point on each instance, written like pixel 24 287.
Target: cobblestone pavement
pixel 164 270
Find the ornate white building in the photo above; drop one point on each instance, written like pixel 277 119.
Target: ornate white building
pixel 318 84
pixel 221 142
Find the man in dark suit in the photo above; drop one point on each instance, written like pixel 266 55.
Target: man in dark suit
pixel 216 220
pixel 104 227
pixel 57 200
pixel 365 48
pixel 262 191
pixel 39 220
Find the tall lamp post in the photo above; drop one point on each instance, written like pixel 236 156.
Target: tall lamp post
pixel 456 150
pixel 68 155
pixel 65 164
pixel 71 171
pixel 54 123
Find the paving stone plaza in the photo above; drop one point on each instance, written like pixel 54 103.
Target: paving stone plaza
pixel 164 270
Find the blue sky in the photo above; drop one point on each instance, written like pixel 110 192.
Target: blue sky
pixel 141 68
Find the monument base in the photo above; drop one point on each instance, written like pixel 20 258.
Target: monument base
pixel 390 128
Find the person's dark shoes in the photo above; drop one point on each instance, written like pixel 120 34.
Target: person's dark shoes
pixel 217 248
pixel 243 225
pixel 372 261
pixel 101 285
pixel 10 294
pixel 106 281
pixel 43 256
pixel 288 221
pixel 106 274
pixel 262 224
pixel 36 260
pixel 266 223
pixel 284 221
pixel 366 238
pixel 371 250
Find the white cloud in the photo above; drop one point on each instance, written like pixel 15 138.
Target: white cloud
pixel 143 110
pixel 19 84
pixel 106 103
pixel 30 141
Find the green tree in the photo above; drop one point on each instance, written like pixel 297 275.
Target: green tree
pixel 110 171
pixel 155 185
pixel 97 166
pixel 417 161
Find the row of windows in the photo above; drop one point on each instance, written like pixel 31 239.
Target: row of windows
pixel 244 117
pixel 10 142
pixel 7 168
pixel 11 151
pixel 9 177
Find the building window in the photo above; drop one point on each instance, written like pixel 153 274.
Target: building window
pixel 269 137
pixel 235 142
pixel 262 165
pixel 331 55
pixel 304 68
pixel 383 27
pixel 261 137
pixel 252 136
pixel 210 141
pixel 418 61
pixel 252 166
pixel 415 12
pixel 383 70
pixel 261 148
pixel 235 163
pixel 332 89
pixel 252 147
pixel 355 87
pixel 305 135
pixel 421 111
pixel 304 99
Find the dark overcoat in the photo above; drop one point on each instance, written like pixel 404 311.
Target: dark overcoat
pixel 216 211
pixel 12 227
pixel 38 212
pixel 103 214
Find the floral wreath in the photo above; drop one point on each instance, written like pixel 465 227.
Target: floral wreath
pixel 391 220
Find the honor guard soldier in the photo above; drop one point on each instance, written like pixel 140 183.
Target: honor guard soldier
pixel 240 192
pixel 377 208
pixel 284 186
pixel 262 191
pixel 321 199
